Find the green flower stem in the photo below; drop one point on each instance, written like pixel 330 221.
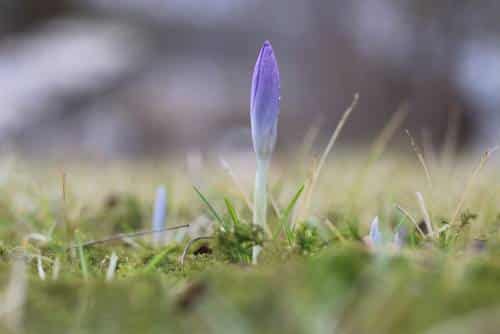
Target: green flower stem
pixel 260 200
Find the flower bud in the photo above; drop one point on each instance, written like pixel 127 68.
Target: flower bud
pixel 375 234
pixel 264 102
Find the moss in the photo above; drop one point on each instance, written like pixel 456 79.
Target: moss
pixel 235 244
pixel 307 239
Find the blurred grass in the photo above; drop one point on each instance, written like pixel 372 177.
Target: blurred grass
pixel 323 278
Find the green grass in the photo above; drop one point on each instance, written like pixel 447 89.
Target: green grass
pixel 316 272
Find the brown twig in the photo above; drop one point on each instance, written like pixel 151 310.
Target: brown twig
pixel 128 235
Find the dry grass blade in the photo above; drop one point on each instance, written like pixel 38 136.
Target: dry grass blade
pixel 304 204
pixel 484 158
pixel 110 273
pixel 379 147
pixel 227 168
pixel 451 137
pixel 39 266
pixel 387 133
pixel 420 157
pixel 274 205
pixel 35 237
pixel 309 139
pixel 316 173
pixel 425 212
pixel 428 148
pixel 410 218
pixel 334 229
pixel 335 135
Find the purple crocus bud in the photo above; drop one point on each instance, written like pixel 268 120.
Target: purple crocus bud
pixel 375 234
pixel 400 237
pixel 265 102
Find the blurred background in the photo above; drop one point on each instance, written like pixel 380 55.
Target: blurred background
pixel 138 78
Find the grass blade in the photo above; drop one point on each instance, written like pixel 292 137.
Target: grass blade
pixel 209 206
pixel 285 216
pixel 232 211
pixel 157 259
pixel 83 261
pixel 317 171
pixel 484 158
pixel 420 157
pixel 227 168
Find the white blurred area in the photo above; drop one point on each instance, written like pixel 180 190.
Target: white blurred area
pixel 63 58
pixel 107 78
pixel 45 73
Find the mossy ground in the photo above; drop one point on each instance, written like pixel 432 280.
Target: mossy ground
pixel 319 277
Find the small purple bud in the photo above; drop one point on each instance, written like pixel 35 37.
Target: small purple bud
pixel 400 237
pixel 375 234
pixel 265 102
pixel 159 213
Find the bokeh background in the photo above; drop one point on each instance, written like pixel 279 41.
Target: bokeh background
pixel 139 78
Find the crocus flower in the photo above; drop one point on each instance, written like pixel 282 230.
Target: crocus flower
pixel 264 111
pixel 375 239
pixel 265 102
pixel 159 213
